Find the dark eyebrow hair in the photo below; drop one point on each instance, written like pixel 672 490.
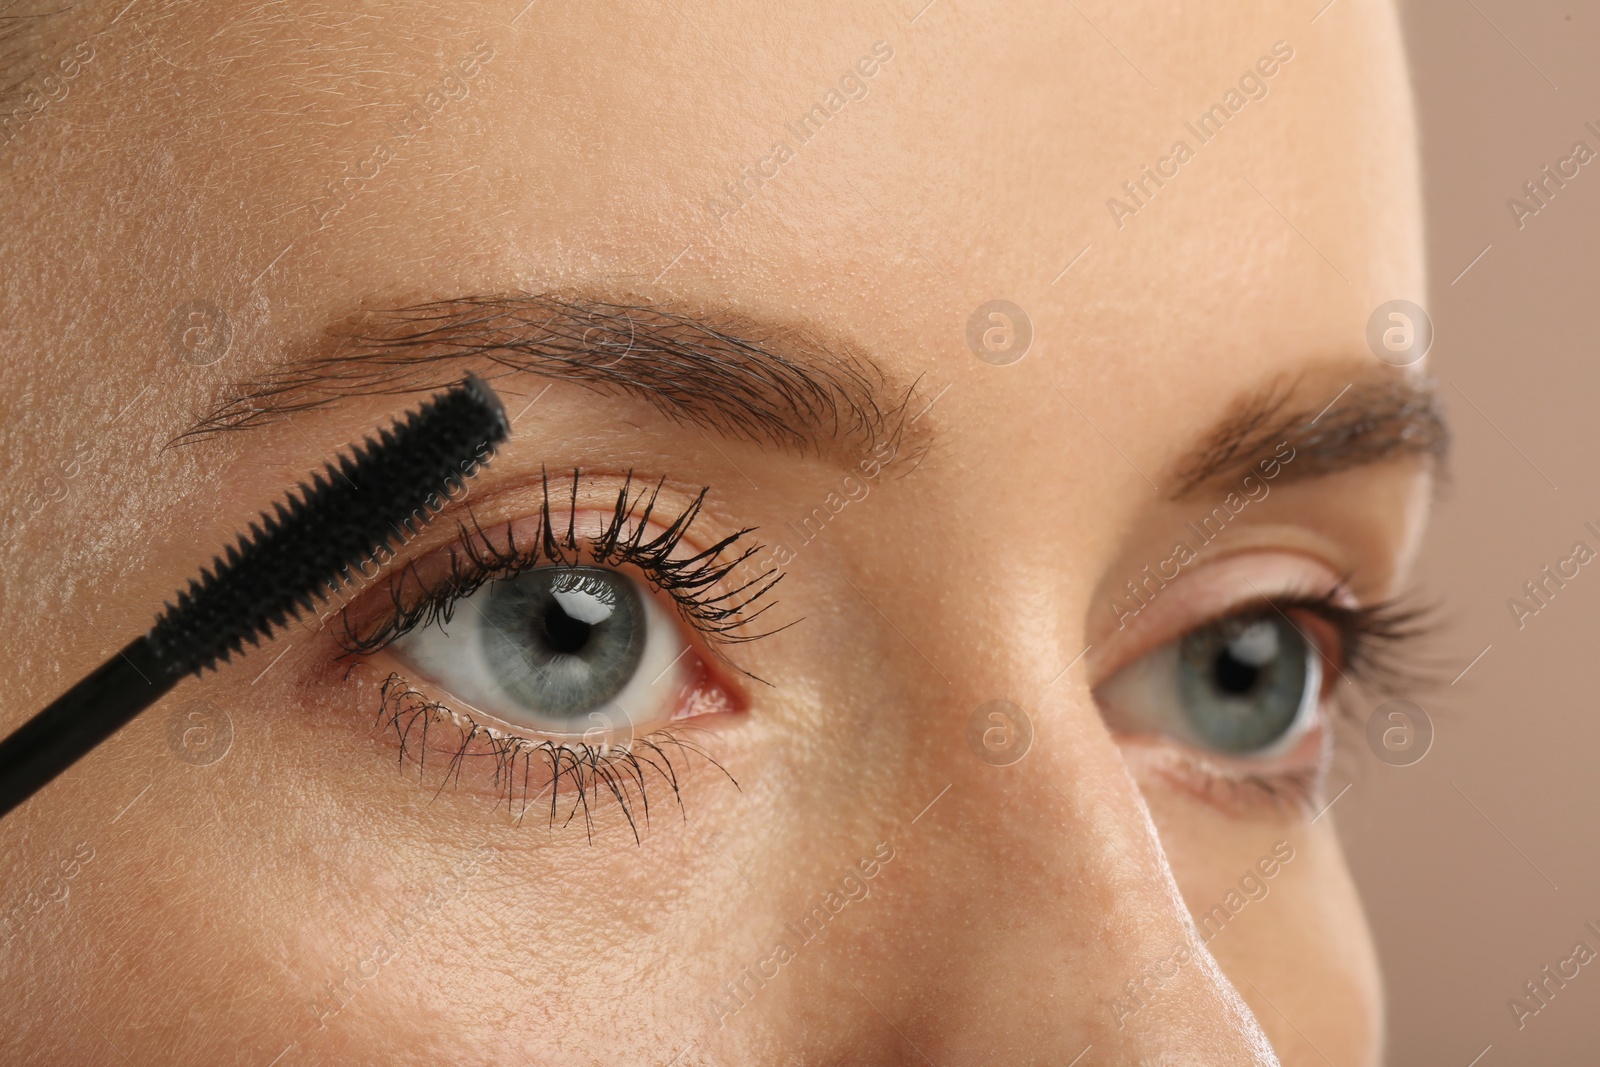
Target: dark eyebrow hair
pixel 1369 421
pixel 729 373
pixel 21 38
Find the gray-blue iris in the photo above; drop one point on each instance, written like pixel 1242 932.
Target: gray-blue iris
pixel 564 640
pixel 1242 682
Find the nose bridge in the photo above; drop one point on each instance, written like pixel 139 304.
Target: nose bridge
pixel 1061 926
pixel 1045 917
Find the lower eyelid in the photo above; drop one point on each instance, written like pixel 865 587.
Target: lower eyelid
pixel 562 778
pixel 1232 786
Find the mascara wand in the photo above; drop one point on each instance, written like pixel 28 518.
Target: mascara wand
pixel 290 560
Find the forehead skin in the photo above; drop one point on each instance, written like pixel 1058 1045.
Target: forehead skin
pixel 197 158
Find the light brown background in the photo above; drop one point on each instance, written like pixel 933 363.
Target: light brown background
pixel 1461 910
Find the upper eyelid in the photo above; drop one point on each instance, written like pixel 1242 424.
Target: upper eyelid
pixel 1161 620
pixel 634 512
pixel 1282 607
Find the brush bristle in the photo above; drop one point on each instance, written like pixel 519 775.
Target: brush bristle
pixel 372 496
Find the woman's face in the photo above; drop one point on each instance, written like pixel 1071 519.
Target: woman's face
pixel 567 798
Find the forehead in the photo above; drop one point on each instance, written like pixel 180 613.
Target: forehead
pixel 1180 204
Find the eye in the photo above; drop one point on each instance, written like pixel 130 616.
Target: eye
pixel 560 650
pixel 559 660
pixel 1245 686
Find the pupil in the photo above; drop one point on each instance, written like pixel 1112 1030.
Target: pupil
pixel 1234 676
pixel 563 633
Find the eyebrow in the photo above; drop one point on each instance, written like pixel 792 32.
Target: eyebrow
pixel 1369 421
pixel 21 39
pixel 727 373
pixel 777 384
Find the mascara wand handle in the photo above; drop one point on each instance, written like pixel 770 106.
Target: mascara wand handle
pixel 79 719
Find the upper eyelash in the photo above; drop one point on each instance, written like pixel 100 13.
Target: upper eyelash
pixel 475 561
pixel 1375 639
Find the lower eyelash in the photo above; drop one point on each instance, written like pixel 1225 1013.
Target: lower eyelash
pixel 591 772
pixel 1288 792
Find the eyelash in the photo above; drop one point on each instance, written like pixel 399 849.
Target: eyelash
pixel 589 769
pixel 1374 639
pixel 475 560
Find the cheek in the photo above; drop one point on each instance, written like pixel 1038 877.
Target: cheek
pixel 1306 945
pixel 1312 955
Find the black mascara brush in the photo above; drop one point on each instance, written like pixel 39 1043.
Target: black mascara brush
pixel 288 562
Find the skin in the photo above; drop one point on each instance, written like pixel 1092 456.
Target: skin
pixel 220 899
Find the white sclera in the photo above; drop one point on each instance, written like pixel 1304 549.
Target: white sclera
pixel 453 657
